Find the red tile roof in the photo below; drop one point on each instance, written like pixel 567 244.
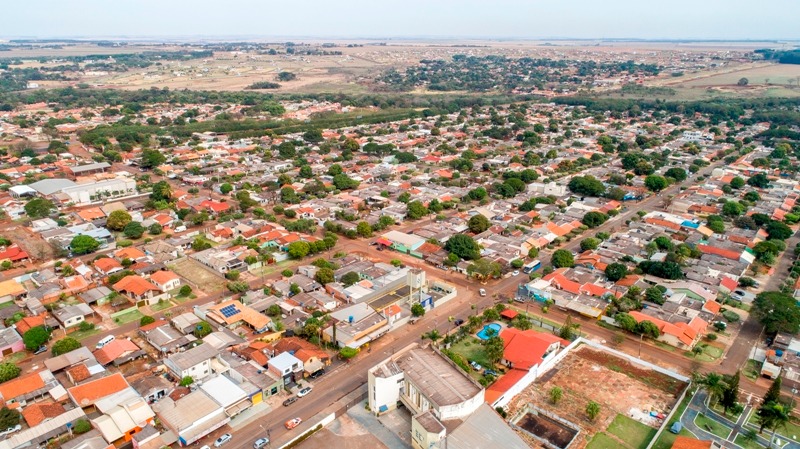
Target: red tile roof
pixel 25 324
pixel 37 413
pixel 503 384
pixel 113 350
pixel 13 253
pixel 523 349
pixel 90 392
pixel 135 284
pixel 726 253
pixel 21 385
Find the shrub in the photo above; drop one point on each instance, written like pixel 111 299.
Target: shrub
pixel 730 316
pixel 81 426
pixel 86 326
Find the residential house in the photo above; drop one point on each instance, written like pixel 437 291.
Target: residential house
pixel 73 315
pixel 165 280
pixel 194 363
pixel 10 341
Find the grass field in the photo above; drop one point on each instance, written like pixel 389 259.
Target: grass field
pixel 742 441
pixel 712 426
pixel 636 434
pixel 603 441
pixel 472 350
pixel 80 335
pixel 133 315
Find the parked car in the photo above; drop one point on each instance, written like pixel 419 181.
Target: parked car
pixel 303 392
pixel 10 430
pixel 205 446
pixel 490 372
pixel 292 423
pixel 317 373
pixel 515 272
pixel 475 365
pixel 261 442
pixel 458 322
pixel 482 292
pixel 289 401
pixel 42 348
pixel 222 440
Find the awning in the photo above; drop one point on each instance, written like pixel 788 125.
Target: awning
pixel 238 408
pixel 359 343
pixel 384 241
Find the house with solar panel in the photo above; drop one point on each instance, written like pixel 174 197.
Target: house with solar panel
pixel 233 315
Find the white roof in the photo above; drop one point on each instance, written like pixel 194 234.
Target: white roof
pixel 21 189
pixel 284 361
pixel 223 391
pixel 402 238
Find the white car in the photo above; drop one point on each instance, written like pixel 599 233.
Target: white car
pixel 11 430
pixel 303 392
pixel 482 292
pixel 261 442
pixel 222 440
pixel 515 272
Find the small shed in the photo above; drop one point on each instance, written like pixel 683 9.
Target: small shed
pixel 509 314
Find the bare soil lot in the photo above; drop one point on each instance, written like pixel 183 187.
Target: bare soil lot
pixel 343 433
pixel 201 278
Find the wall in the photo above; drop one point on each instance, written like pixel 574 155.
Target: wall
pixel 384 391
pixel 463 409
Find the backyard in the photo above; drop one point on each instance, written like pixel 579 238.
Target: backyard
pixel 472 350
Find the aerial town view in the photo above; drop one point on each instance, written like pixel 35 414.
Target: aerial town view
pixel 399 225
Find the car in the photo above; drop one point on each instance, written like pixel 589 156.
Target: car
pixel 303 392
pixel 11 430
pixel 292 423
pixel 261 442
pixel 490 372
pixel 289 401
pixel 373 243
pixel 475 365
pixel 317 373
pixel 205 446
pixel 42 348
pixel 482 291
pixel 380 248
pixel 515 273
pixel 739 292
pixel 458 322
pixel 223 439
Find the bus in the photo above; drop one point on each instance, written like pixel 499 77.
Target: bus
pixel 531 267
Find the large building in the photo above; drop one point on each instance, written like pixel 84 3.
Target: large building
pixel 447 406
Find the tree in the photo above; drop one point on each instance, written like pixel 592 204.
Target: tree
pixel 742 82
pixel 773 415
pixel 202 329
pixel 625 321
pixel 556 393
pixel 350 278
pixel 478 223
pixel 65 345
pixel 656 183
pixel 484 269
pixel 586 185
pixel 226 188
pixel 185 290
pixel 676 173
pixel 9 371
pixel 463 246
pixel 324 276
pixel 83 244
pixel 133 230
pixel 616 271
pixel 39 208
pixel 186 381
pixel 417 309
pixel 567 331
pixel 777 311
pixel 145 320
pixel 9 418
pixel 161 191
pixel 152 159
pixel 233 275
pixel 732 209
pixel 760 180
pixel 344 182
pixel 778 231
pixel 298 250
pixel 117 220
pixel 654 294
pixel 517 263
pixel 737 182
pixel 416 210
pixel 589 243
pixel 730 397
pixel 35 337
pixel 563 258
pixel 347 353
pixel 364 229
pixel 648 329
pixel 493 348
pixel 592 410
pixel 237 286
pixel 594 219
pixel 714 385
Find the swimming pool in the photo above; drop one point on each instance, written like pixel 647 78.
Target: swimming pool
pixel 490 330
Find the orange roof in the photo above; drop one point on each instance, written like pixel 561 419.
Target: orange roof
pixel 92 213
pixel 726 253
pixel 116 348
pixel 729 283
pixel 107 264
pixel 712 306
pixel 79 373
pixel 134 284
pixel 503 384
pixel 90 392
pixel 682 442
pixel 25 324
pixel 628 280
pixel 129 253
pixel 20 386
pixel 524 349
pixel 36 413
pixel 163 276
pixel 663 223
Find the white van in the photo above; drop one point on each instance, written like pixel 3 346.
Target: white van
pixel 106 340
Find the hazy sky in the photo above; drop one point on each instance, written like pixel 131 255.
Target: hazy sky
pixel 651 19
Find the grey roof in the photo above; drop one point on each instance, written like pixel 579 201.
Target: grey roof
pixel 95 294
pixel 65 313
pixel 8 337
pixel 484 428
pixel 51 186
pixel 185 412
pixel 436 377
pixel 89 167
pixel 185 360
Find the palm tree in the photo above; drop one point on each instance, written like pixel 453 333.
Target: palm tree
pixel 714 386
pixel 773 415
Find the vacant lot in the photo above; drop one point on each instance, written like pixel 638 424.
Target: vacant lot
pixel 200 278
pixel 343 433
pixel 625 392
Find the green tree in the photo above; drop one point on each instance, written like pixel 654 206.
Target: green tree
pixel 347 353
pixel 589 243
pixel 676 173
pixel 35 337
pixel 484 269
pixel 778 231
pixel 616 271
pixel 185 290
pixel 298 250
pixel 226 188
pixel 417 309
pixel 730 397
pixel 493 348
pixel 324 276
pixel 656 183
pixel 732 209
pixel 760 180
pixel 592 410
pixel 133 230
pixel 654 294
pixel 364 229
pixel 83 244
pixel 586 185
pixel 567 331
pixel 145 320
pixel 594 219
pixel 715 386
pixel 39 208
pixel 186 381
pixel 737 182
pixel 556 393
pixel 773 415
pixel 463 246
pixel 416 210
pixel 161 191
pixel 777 311
pixel 237 286
pixel 65 345
pixel 563 258
pixel 350 278
pixel 478 223
pixel 8 371
pixel 152 159
pixel 517 263
pixel 625 321
pixel 117 220
pixel 9 418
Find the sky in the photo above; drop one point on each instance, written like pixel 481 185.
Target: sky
pixel 531 19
